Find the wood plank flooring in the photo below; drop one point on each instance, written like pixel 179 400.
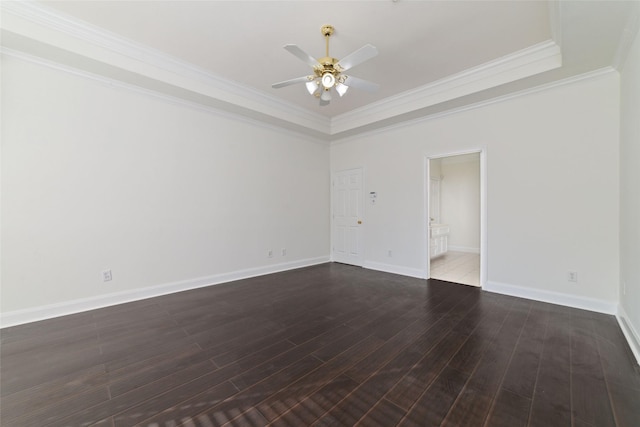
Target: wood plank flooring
pixel 329 345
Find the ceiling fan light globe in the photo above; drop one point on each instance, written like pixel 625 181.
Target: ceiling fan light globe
pixel 312 87
pixel 341 89
pixel 326 95
pixel 328 80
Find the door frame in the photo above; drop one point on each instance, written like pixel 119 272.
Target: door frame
pixel 364 219
pixel 483 208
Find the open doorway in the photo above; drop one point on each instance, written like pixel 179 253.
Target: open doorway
pixel 455 205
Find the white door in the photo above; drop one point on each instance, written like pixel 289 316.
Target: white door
pixel 347 217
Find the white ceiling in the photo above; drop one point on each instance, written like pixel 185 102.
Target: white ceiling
pixel 419 42
pixel 422 45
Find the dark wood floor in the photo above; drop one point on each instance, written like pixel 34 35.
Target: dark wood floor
pixel 329 345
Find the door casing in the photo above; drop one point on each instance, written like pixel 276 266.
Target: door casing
pixel 483 209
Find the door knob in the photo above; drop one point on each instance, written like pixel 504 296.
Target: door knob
pixel 359 222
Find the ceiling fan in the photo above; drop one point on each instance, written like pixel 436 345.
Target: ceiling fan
pixel 328 71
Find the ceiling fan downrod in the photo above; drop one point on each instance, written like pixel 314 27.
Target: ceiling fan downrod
pixel 327 31
pixel 326 69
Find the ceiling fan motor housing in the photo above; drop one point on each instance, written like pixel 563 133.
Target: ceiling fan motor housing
pixel 327 65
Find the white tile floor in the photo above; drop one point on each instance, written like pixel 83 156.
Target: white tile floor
pixel 458 267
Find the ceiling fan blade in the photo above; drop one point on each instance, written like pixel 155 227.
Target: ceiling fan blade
pixel 361 84
pixel 290 82
pixel 301 54
pixel 359 56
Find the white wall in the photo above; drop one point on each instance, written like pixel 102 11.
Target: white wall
pixel 96 177
pixel 460 195
pixel 552 189
pixel 630 191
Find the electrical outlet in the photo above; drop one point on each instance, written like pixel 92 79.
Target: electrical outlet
pixel 270 253
pixel 284 251
pixel 106 276
pixel 572 276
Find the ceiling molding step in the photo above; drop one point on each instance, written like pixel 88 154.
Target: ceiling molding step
pixel 631 28
pixel 555 21
pixel 302 133
pixel 536 59
pixel 457 110
pixel 37 22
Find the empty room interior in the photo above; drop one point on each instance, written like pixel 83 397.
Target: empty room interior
pixel 200 227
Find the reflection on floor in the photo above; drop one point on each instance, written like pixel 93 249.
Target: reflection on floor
pixel 459 267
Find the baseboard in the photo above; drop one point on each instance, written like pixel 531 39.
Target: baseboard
pixel 629 332
pixel 19 317
pixel 395 269
pixel 592 304
pixel 464 249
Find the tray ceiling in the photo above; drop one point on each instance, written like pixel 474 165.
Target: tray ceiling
pixel 430 53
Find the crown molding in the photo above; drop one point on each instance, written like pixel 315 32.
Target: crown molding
pixel 282 128
pixel 626 40
pixel 155 70
pixel 525 63
pixel 555 21
pixel 590 75
pixel 39 23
